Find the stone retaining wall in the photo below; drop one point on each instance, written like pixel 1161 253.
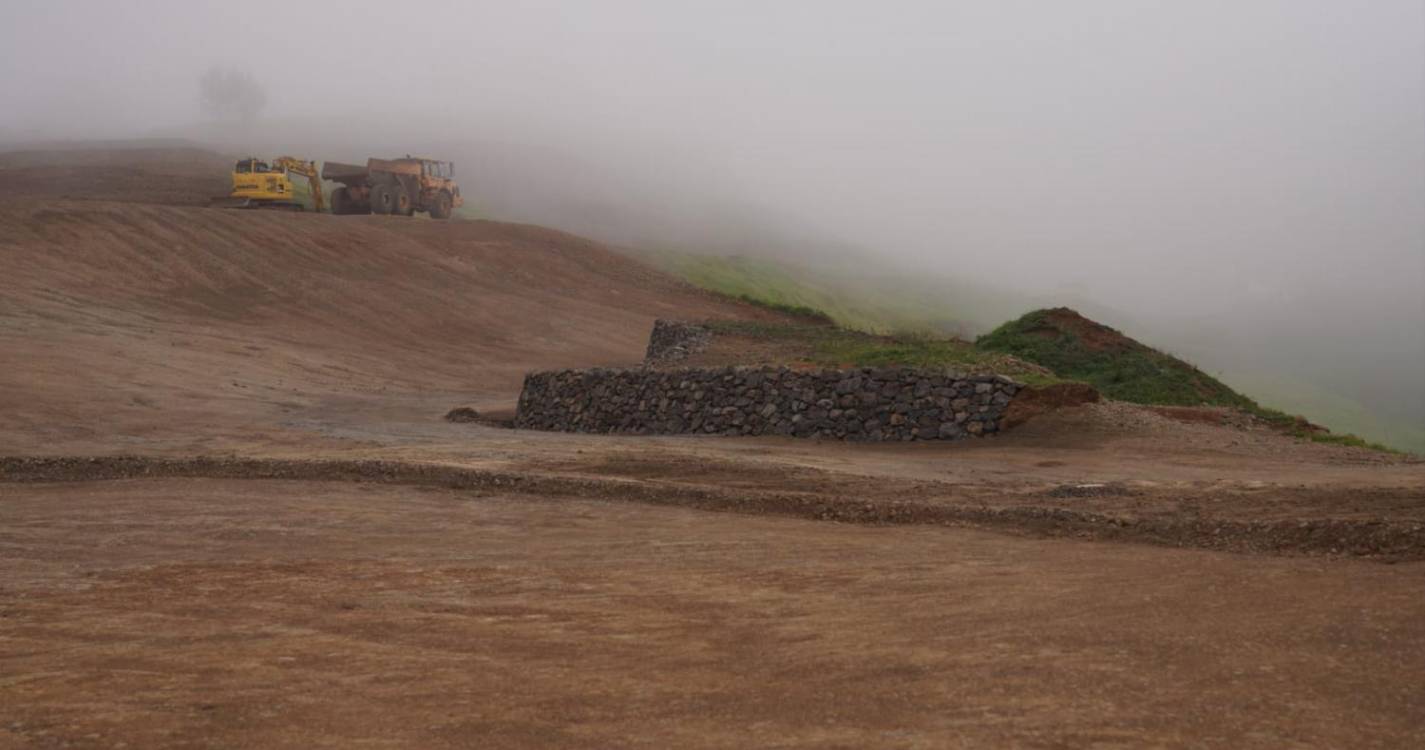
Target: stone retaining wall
pixel 673 340
pixel 862 404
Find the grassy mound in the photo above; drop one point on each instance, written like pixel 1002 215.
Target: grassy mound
pixel 1123 369
pixel 1119 367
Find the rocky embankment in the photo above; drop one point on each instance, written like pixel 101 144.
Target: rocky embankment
pixel 860 404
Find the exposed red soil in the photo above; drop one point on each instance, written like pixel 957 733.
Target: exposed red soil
pixel 1226 416
pixel 1201 414
pixel 1037 400
pixel 1061 321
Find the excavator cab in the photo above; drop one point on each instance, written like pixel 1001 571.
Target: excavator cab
pixel 251 166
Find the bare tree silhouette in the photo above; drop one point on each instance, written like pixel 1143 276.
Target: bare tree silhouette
pixel 230 95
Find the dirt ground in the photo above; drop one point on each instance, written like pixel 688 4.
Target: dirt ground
pixel 231 515
pixel 248 613
pixel 153 174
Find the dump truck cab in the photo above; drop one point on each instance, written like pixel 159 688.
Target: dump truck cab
pixel 442 172
pixel 437 183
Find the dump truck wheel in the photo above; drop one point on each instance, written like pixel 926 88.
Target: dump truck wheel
pixel 441 208
pixel 382 198
pixel 401 204
pixel 341 201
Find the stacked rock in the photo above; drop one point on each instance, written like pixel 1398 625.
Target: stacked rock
pixel 861 404
pixel 673 340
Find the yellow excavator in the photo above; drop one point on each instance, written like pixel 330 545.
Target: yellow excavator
pixel 260 184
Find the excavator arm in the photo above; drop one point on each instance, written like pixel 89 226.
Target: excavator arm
pixel 309 170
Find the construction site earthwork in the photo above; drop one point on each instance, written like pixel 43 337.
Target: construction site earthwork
pixel 368 473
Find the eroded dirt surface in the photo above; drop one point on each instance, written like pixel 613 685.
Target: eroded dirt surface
pixel 1380 523
pixel 203 613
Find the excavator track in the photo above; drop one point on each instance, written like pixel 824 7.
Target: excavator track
pixel 254 205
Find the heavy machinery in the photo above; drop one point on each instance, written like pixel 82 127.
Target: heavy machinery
pixel 395 186
pixel 259 184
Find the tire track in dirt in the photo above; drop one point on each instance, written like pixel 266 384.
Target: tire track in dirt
pixel 1382 540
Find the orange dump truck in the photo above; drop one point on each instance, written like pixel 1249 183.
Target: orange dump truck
pixel 394 186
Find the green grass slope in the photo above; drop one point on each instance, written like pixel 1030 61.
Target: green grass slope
pixel 858 296
pixel 833 346
pixel 1119 367
pixel 1331 409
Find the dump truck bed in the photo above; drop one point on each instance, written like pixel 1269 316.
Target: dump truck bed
pixel 357 174
pixel 346 174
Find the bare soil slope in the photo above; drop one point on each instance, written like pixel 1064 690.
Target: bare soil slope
pixel 114 312
pixel 186 176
